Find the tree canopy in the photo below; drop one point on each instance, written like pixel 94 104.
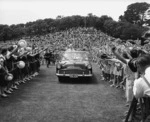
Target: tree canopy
pixel 129 25
pixel 135 13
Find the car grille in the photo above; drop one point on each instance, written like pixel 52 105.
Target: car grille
pixel 75 66
pixel 74 72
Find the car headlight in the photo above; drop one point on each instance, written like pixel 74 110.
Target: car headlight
pixel 58 66
pixel 89 66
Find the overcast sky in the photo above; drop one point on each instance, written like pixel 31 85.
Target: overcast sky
pixel 22 11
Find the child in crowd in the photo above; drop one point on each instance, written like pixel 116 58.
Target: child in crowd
pixel 119 74
pixel 107 70
pixel 115 75
pixel 112 65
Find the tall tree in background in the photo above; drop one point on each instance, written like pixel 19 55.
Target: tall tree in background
pixel 6 33
pixel 147 17
pixel 99 24
pixel 135 13
pixel 110 26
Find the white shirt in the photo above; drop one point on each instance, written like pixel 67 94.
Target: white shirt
pixel 140 88
pixel 8 55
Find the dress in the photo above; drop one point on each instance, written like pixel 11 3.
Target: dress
pixel 130 77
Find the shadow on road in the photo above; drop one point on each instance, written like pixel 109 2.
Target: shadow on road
pixel 91 80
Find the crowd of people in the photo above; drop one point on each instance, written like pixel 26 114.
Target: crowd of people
pixel 123 64
pixel 19 63
pixel 129 70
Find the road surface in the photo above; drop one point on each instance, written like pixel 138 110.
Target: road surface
pixel 44 99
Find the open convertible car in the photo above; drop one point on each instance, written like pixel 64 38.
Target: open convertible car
pixel 74 64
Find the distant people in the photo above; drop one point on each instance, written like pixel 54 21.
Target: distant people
pixel 47 57
pixel 52 58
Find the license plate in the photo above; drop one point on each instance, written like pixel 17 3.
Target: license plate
pixel 73 76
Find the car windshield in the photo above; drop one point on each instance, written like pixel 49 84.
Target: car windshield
pixel 75 56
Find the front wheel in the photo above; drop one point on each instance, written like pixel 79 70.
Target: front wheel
pixel 60 79
pixel 88 79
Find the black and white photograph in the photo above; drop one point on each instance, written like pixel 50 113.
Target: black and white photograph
pixel 74 60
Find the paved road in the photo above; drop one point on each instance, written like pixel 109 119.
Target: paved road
pixel 44 99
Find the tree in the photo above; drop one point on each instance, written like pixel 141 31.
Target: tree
pixel 147 17
pixel 18 30
pixel 135 13
pixel 131 32
pixel 99 24
pixel 6 33
pixel 109 26
pixel 120 26
pixel 59 17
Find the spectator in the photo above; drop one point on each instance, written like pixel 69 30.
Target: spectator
pixel 142 85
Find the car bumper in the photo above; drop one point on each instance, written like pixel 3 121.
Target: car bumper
pixel 74 75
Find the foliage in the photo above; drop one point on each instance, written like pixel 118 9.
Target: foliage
pixel 131 32
pixel 135 13
pixel 109 26
pixel 128 26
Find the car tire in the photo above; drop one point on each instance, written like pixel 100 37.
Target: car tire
pixel 60 79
